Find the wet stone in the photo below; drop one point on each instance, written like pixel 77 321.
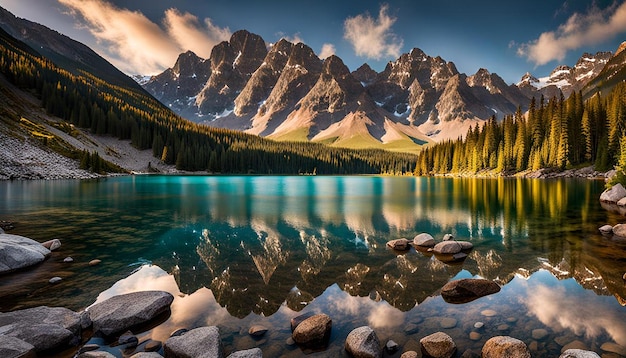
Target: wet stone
pixel 153 346
pixel 488 313
pixel 475 336
pixel 391 346
pixel 503 327
pixel 411 328
pixel 511 319
pixel 257 330
pixel 179 332
pixel 613 348
pixel 479 325
pixel 448 322
pixel 55 279
pixel 539 334
pixel 575 345
pixel 290 342
pixel 94 262
pixel 68 259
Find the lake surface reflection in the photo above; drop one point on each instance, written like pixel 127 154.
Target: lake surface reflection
pixel 242 250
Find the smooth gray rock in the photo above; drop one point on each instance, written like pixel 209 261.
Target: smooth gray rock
pixel 45 328
pixel 68 259
pixel 146 355
pixel 438 345
pixel 392 346
pixel 123 312
pixel 313 331
pixel 55 279
pixel 448 237
pixel 613 194
pixel 15 347
pixel 52 245
pixel 202 342
pixel 424 240
pixel 606 229
pixel 468 289
pixel 505 346
pixel 17 252
pixel 362 342
pixel 578 353
pixel 399 244
pixel 248 353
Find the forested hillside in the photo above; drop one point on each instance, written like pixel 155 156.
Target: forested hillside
pixel 88 102
pixel 556 134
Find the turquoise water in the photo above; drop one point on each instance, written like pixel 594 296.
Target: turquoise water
pixel 242 250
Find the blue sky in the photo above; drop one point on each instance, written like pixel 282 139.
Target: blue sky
pixel 508 38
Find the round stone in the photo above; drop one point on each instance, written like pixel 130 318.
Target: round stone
pixel 68 259
pixel 511 319
pixel 153 346
pixel 290 341
pixel 55 279
pixel 94 262
pixel 479 325
pixel 539 334
pixel 257 330
pixel 475 336
pixel 503 327
pixel 448 322
pixel 488 313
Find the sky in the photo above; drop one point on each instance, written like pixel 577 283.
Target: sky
pixel 507 38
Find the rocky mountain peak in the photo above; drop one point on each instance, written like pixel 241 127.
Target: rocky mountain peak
pixel 334 66
pixel 303 56
pixel 249 49
pixel 365 74
pixel 621 48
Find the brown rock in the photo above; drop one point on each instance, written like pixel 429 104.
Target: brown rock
pixel 313 331
pixel 505 346
pixel 438 345
pixel 399 244
pixel 257 330
pixel 468 289
pixel 94 262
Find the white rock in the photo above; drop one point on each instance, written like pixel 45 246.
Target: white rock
pixel 17 252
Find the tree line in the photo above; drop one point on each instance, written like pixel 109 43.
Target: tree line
pixel 555 134
pixel 127 113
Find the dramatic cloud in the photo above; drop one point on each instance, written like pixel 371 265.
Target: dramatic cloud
pixel 135 44
pixel 579 30
pixel 373 38
pixel 327 51
pixel 187 31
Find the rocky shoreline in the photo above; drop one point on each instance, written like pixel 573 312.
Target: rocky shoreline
pixel 105 329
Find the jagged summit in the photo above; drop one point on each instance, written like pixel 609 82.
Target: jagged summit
pixel 286 92
pixel 565 78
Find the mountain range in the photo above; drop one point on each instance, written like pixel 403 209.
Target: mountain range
pixel 284 91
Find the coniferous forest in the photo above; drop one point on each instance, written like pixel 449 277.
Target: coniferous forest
pixel 90 103
pixel 556 134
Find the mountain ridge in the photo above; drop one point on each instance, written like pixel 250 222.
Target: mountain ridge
pixel 426 96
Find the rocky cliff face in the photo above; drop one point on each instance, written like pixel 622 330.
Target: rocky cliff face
pixel 564 78
pixel 289 93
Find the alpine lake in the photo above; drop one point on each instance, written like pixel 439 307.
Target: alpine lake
pixel 236 251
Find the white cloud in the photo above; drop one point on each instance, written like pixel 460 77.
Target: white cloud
pixel 135 44
pixel 373 38
pixel 327 51
pixel 579 30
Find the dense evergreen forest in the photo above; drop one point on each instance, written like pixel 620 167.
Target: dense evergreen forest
pixel 555 134
pixel 88 102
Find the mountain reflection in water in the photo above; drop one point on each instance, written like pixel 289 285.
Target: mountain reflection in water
pixel 239 249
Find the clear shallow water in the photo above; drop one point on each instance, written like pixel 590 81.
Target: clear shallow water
pixel 242 250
